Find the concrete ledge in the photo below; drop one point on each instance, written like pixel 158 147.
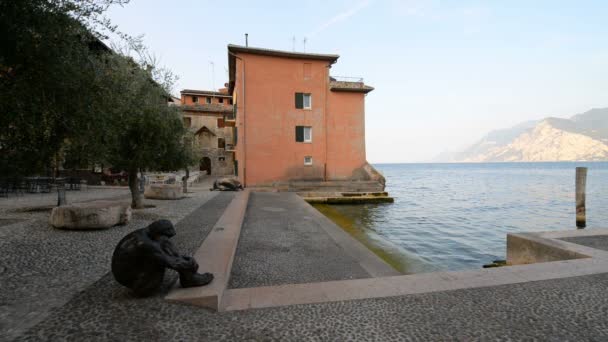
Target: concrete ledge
pixel 594 261
pixel 164 191
pixel 349 200
pixel 216 255
pixel 91 215
pixel 529 249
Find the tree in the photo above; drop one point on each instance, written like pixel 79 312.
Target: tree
pixel 62 91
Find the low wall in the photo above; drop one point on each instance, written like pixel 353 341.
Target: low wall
pixel 529 249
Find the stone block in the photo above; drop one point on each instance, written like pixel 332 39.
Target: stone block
pixel 164 191
pixel 91 215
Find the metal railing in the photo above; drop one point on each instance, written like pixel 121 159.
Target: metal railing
pixel 347 79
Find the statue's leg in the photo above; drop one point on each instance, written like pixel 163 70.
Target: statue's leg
pixel 147 283
pixel 188 277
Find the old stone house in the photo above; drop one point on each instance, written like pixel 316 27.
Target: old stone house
pixel 209 117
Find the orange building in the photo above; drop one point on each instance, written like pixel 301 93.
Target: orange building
pixel 294 122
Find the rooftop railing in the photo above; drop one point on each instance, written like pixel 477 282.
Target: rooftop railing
pixel 348 79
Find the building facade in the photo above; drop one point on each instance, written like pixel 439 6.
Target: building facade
pixel 294 122
pixel 209 117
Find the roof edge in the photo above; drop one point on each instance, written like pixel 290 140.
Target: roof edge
pixel 280 53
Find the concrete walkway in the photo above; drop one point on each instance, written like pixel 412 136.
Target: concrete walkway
pixel 286 241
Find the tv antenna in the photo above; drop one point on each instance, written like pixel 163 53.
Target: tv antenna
pixel 293 44
pixel 212 75
pixel 305 40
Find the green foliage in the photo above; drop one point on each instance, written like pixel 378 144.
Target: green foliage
pixel 63 92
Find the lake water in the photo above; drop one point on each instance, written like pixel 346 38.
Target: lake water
pixel 456 216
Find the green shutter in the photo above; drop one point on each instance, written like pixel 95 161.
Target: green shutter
pixel 299 133
pixel 299 100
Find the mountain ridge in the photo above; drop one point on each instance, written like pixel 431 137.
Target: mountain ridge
pixel 582 137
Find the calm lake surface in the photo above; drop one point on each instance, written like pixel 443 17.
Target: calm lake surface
pixel 456 216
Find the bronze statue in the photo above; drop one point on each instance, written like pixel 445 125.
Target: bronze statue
pixel 227 184
pixel 140 259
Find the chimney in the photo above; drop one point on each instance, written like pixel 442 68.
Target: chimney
pixel 246 39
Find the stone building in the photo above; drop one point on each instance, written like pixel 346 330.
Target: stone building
pixel 209 117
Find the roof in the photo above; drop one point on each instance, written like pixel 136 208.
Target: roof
pixel 353 87
pixel 208 107
pixel 204 92
pixel 235 49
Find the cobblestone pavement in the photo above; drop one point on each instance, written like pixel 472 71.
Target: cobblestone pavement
pixel 281 243
pixel 597 241
pixel 569 309
pixel 42 267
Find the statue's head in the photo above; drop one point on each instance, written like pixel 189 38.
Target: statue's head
pixel 161 228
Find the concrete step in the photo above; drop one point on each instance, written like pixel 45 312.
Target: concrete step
pixel 216 255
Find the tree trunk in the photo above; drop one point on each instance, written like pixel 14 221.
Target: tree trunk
pixel 137 200
pixel 185 180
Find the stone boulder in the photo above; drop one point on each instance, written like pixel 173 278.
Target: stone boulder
pixel 91 215
pixel 164 191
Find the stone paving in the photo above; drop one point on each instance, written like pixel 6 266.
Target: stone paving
pixel 281 243
pixel 569 309
pixel 69 295
pixel 43 267
pixel 599 242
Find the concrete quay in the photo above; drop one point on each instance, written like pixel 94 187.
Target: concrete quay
pixel 272 294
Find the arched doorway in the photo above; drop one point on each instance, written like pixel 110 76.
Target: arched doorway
pixel 206 165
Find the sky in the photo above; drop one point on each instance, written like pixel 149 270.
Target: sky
pixel 445 72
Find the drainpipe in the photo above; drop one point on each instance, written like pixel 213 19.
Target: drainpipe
pixel 244 124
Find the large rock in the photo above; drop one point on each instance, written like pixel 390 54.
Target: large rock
pixel 164 191
pixel 91 215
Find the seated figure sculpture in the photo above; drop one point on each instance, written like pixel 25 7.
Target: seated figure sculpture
pixel 141 257
pixel 227 184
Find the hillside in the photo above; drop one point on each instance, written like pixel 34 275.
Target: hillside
pixel 583 137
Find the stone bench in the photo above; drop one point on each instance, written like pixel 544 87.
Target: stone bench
pixel 91 215
pixel 164 191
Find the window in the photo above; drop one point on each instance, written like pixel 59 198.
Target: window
pixel 303 101
pixel 221 143
pixel 208 100
pixel 187 122
pixel 230 101
pixel 220 123
pixel 308 160
pixel 221 159
pixel 221 100
pixel 303 134
pixel 194 99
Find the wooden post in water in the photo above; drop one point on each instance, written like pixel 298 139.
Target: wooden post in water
pixel 581 182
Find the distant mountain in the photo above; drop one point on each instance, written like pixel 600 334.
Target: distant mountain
pixel 583 137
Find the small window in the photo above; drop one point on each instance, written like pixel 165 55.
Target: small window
pixel 221 143
pixel 208 100
pixel 220 123
pixel 221 159
pixel 194 99
pixel 303 134
pixel 221 100
pixel 187 122
pixel 308 160
pixel 230 101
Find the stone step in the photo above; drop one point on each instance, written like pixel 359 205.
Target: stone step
pixel 216 255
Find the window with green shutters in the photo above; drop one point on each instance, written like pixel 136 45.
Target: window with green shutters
pixel 303 134
pixel 303 101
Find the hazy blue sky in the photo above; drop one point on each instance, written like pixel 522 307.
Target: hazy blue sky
pixel 445 72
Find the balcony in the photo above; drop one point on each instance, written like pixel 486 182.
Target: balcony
pixel 230 148
pixel 230 118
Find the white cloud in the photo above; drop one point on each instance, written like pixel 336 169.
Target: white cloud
pixel 340 17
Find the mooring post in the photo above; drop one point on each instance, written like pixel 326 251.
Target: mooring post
pixel 581 182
